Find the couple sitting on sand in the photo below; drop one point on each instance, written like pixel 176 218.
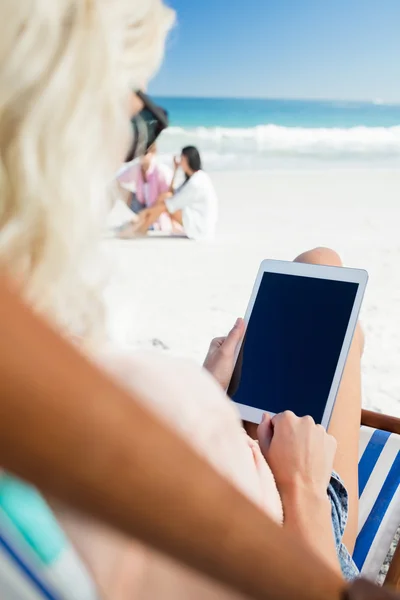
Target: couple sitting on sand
pixel 190 211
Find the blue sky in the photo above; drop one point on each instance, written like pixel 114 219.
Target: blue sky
pixel 335 49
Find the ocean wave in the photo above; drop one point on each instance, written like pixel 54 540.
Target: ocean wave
pixel 279 140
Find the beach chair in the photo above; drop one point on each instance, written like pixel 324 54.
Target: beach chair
pixel 379 490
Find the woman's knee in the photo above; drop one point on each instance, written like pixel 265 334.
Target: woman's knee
pixel 320 256
pixel 327 256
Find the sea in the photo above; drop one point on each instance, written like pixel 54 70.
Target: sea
pixel 235 134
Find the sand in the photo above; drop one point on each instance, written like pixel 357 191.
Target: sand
pixel 176 295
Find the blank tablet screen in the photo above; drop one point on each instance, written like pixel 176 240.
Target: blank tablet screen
pixel 292 345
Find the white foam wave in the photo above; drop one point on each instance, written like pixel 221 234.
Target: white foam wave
pixel 275 139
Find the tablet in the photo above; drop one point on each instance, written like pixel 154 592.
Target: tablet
pixel 299 326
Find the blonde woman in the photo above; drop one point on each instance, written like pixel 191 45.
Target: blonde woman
pixel 68 71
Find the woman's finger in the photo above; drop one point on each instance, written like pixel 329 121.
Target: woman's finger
pixel 217 342
pixel 265 433
pixel 235 336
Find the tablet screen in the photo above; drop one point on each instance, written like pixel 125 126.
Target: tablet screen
pixel 292 345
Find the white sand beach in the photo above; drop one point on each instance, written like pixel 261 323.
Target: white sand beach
pixel 175 295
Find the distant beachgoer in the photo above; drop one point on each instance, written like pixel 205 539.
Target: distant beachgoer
pixel 145 182
pixel 193 207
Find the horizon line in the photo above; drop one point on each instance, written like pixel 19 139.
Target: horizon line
pixel 376 101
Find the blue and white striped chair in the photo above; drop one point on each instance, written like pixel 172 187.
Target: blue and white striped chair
pixel 379 489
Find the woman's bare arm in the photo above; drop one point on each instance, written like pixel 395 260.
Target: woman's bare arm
pixel 175 172
pixel 71 431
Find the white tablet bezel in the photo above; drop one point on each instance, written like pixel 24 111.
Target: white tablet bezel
pixel 254 415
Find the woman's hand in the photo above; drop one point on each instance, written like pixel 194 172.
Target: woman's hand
pixel 177 162
pixel 299 452
pixel 221 355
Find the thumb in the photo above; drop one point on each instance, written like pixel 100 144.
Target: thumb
pixel 265 433
pixel 235 335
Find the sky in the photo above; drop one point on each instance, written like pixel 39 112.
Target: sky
pixel 333 49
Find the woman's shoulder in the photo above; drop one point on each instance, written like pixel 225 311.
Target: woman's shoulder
pixel 201 179
pixel 201 175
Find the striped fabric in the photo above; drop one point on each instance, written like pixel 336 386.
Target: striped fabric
pixel 379 490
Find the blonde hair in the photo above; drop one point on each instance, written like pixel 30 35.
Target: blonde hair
pixel 67 68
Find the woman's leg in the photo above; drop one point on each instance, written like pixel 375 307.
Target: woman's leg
pixel 345 422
